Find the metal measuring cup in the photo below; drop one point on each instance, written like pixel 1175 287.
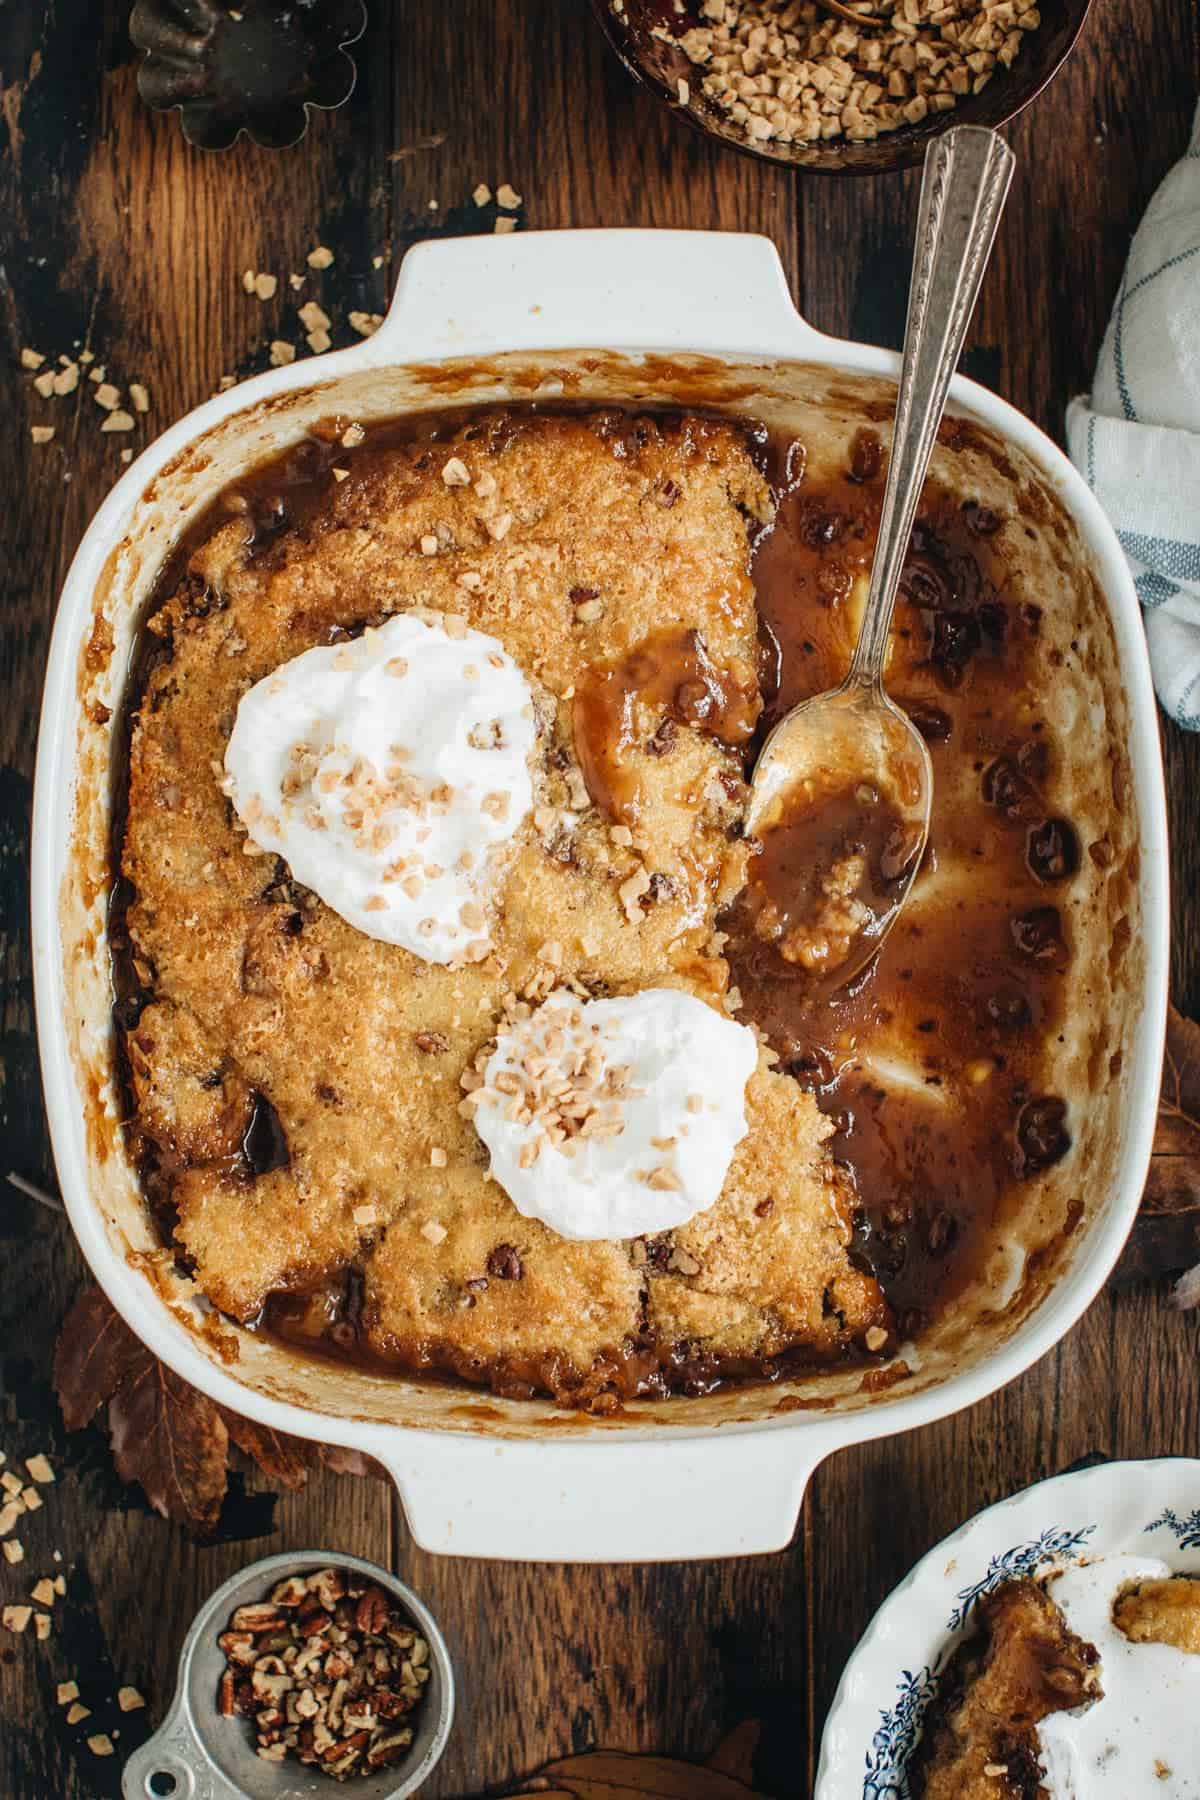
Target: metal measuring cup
pixel 197 1754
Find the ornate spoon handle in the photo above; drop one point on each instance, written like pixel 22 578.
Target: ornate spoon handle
pixel 967 173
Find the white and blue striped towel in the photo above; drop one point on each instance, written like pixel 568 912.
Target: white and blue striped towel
pixel 1136 436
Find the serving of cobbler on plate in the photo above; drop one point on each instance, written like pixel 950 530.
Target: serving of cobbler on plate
pixel 456 1028
pixel 1082 1683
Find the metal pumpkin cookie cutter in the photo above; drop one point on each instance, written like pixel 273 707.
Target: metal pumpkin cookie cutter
pixel 197 1754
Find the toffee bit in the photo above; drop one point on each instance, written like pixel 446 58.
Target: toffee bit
pixel 631 891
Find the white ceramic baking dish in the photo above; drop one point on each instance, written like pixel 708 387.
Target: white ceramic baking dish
pixel 619 315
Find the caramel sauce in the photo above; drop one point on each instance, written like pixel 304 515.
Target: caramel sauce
pixel 673 674
pixel 968 986
pixel 827 879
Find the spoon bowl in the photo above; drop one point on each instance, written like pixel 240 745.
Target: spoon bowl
pixel 855 743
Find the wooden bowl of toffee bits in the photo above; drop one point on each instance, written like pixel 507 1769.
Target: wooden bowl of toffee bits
pixel 303 1668
pixel 791 82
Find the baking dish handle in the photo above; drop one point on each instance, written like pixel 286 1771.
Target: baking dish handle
pixel 617 1499
pixel 708 292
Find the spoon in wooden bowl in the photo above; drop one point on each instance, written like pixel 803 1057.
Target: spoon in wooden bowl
pixel 841 792
pixel 867 20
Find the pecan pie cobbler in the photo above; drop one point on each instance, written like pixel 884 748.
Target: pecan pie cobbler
pixel 464 1028
pixel 1082 1683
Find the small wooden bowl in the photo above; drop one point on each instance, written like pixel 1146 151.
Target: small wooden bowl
pixel 660 65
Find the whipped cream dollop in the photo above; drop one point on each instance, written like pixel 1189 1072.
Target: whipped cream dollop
pixel 387 771
pixel 1143 1738
pixel 615 1118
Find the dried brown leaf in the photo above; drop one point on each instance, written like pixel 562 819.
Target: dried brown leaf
pixel 96 1351
pixel 284 1459
pixel 173 1440
pixel 1166 1233
pixel 616 1775
pixel 734 1755
pixel 1178 1131
pixel 343 1461
pixel 164 1433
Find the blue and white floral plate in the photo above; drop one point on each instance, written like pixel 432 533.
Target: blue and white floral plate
pixel 875 1722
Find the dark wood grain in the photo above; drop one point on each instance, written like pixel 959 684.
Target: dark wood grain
pixel 117 235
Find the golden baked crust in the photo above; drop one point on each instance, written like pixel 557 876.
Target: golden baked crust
pixel 1161 1612
pixel 980 1740
pixel 595 535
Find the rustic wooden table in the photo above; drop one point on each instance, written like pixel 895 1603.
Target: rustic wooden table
pixel 117 235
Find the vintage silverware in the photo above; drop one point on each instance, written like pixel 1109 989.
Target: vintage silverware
pixel 856 729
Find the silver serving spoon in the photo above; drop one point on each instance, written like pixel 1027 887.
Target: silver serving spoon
pixel 855 736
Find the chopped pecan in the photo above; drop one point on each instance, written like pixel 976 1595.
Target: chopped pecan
pixel 389 1750
pixel 372 1612
pixel 289 1593
pixel 329 1585
pixel 238 1647
pixel 257 1619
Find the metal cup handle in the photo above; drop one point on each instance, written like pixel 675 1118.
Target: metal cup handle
pixel 175 1755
